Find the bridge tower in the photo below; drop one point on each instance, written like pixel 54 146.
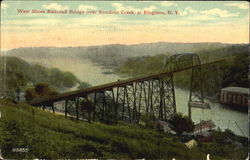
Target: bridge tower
pixel 188 60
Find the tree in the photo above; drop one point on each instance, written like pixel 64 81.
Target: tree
pixel 39 91
pixel 236 71
pixel 83 85
pixel 42 88
pixel 30 94
pixel 181 123
pixel 12 75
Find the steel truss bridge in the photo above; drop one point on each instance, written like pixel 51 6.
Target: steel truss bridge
pixel 128 99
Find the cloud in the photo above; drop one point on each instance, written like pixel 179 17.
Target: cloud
pixel 212 12
pixel 150 8
pixel 189 10
pixel 219 12
pixel 55 6
pixel 120 7
pixel 4 5
pixel 167 4
pixel 174 23
pixel 86 7
pixel 238 5
pixel 201 18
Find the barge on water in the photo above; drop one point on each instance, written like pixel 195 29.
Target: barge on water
pixel 202 105
pixel 235 97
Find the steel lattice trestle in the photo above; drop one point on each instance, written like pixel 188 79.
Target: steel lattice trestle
pixel 162 104
pixel 127 100
pixel 155 97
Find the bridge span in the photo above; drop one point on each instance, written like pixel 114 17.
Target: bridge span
pixel 128 99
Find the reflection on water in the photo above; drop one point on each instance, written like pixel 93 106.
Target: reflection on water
pixel 86 71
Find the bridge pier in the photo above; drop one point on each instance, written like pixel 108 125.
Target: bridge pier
pixel 131 102
pixel 155 98
pixel 123 101
pixel 51 105
pixel 71 107
pixel 66 108
pixel 77 107
pixel 169 103
pixel 141 99
pixel 104 106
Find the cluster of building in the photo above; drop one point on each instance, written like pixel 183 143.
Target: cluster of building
pixel 201 133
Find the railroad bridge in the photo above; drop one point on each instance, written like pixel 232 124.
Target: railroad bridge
pixel 128 99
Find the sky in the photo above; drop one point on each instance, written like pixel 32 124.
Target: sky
pixel 191 21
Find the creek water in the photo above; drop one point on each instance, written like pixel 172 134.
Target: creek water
pixel 223 117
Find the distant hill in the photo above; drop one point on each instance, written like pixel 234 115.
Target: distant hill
pixel 113 54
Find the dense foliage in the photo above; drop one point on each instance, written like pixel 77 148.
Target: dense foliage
pixel 235 67
pixel 182 123
pixel 139 66
pixel 236 71
pixel 16 73
pixel 39 91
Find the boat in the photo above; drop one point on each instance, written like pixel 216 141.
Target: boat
pixel 202 105
pixel 107 72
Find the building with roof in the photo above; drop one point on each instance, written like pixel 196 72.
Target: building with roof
pixel 165 127
pixel 203 126
pixel 235 96
pixel 191 144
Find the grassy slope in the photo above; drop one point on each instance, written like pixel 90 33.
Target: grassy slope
pixel 52 136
